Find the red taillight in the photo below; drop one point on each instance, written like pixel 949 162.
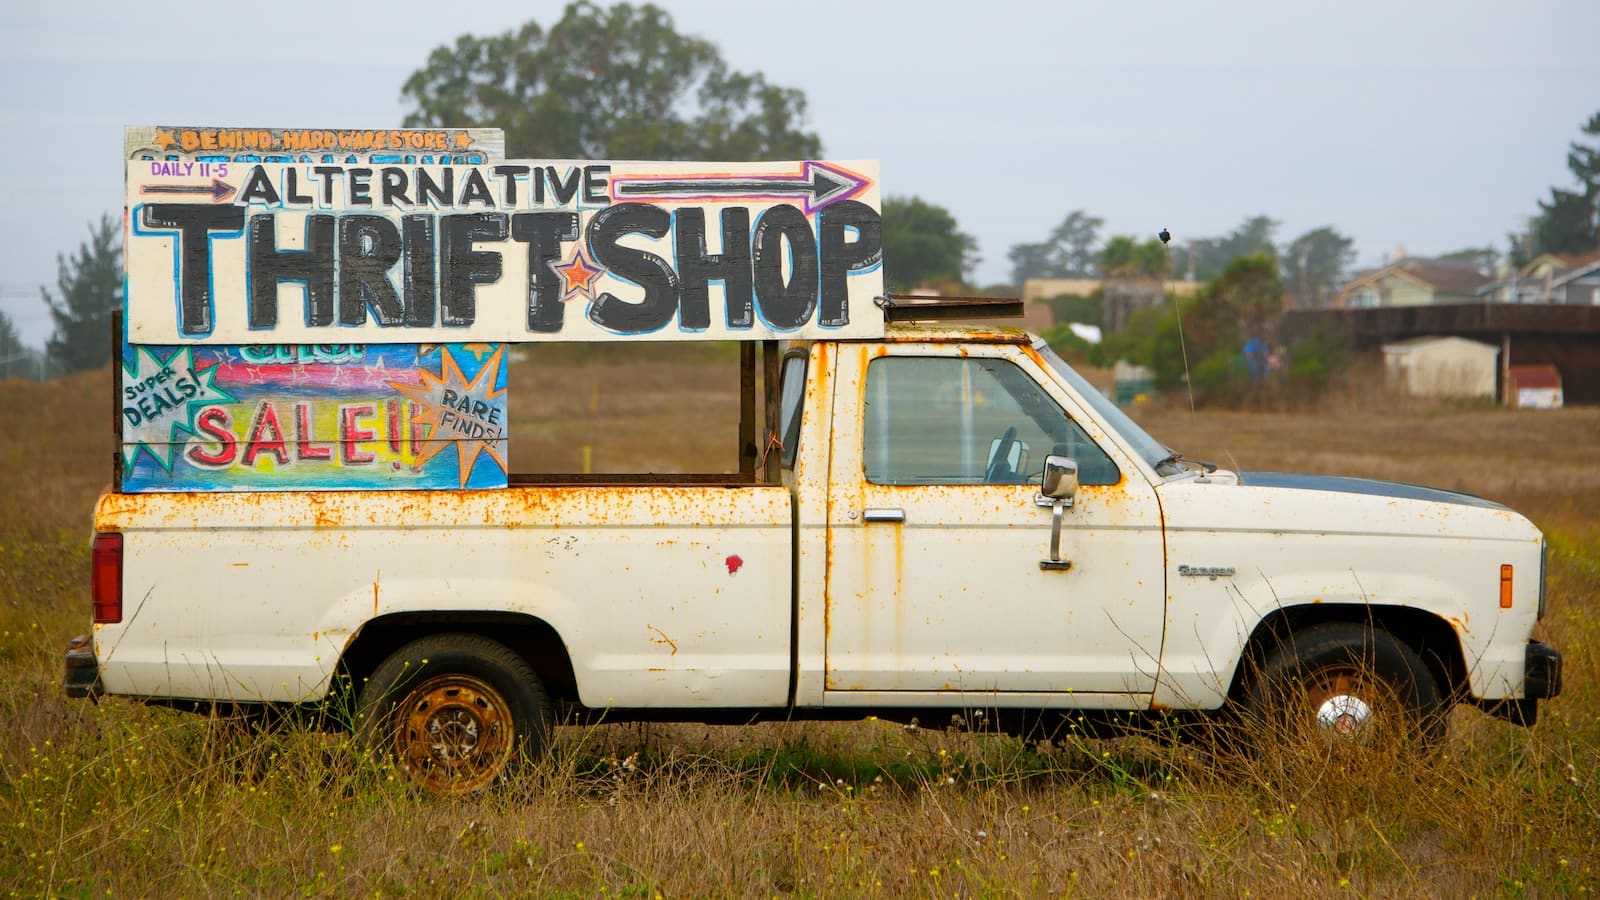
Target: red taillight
pixel 107 577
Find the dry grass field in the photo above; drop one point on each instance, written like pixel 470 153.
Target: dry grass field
pixel 118 799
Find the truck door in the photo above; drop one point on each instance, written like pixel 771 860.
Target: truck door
pixel 935 536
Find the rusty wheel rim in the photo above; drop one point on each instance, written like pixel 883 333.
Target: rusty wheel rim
pixel 1342 700
pixel 453 734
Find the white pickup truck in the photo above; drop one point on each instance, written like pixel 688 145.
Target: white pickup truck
pixel 952 520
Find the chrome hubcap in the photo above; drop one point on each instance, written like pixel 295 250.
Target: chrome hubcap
pixel 1343 714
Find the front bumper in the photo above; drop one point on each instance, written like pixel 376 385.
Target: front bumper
pixel 1542 673
pixel 1541 680
pixel 83 670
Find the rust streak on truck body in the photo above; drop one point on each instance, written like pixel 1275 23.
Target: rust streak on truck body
pixel 614 505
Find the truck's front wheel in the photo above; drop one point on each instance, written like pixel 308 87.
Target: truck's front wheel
pixel 1347 682
pixel 456 712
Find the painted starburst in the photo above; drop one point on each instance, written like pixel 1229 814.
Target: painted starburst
pixel 160 399
pixel 457 412
pixel 579 275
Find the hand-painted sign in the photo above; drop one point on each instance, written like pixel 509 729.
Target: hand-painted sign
pixel 325 417
pixel 226 252
pixel 383 146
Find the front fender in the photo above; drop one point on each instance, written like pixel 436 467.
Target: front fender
pixel 1301 549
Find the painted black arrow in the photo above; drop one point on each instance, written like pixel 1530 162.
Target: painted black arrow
pixel 817 185
pixel 218 189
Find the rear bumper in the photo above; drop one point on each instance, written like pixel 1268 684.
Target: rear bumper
pixel 1541 680
pixel 82 669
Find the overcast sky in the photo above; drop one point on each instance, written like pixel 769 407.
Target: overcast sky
pixel 1433 125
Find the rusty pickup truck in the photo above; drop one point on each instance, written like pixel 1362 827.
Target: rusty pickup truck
pixel 957 521
pixel 926 518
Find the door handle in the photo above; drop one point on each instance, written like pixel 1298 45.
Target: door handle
pixel 882 514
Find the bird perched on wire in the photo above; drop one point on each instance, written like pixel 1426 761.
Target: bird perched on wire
pixel 1165 236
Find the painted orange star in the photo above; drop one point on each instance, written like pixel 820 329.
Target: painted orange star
pixel 165 138
pixel 579 275
pixel 463 140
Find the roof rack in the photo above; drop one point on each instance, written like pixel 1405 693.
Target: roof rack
pixel 921 308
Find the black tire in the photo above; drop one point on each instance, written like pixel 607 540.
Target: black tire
pixel 457 713
pixel 1344 682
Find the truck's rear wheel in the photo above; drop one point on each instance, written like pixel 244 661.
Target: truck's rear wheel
pixel 456 712
pixel 1344 682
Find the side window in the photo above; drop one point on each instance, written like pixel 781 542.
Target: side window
pixel 944 420
pixel 791 391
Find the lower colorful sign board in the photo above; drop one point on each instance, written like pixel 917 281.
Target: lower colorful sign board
pixel 313 417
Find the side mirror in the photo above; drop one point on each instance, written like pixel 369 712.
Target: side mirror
pixel 1060 481
pixel 1056 489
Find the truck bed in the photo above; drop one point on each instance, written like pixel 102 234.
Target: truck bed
pixel 660 593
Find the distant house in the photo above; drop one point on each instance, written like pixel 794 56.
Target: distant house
pixel 1414 281
pixel 1558 278
pixel 1120 299
pixel 1442 367
pixel 1045 288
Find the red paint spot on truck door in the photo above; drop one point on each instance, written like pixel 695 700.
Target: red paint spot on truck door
pixel 734 562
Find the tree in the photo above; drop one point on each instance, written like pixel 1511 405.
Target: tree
pixel 1245 300
pixel 88 287
pixel 1071 251
pixel 1569 222
pixel 1229 329
pixel 12 353
pixel 1315 265
pixel 1032 261
pixel 10 341
pixel 1485 257
pixel 1231 336
pixel 1126 257
pixel 1205 258
pixel 617 83
pixel 1253 236
pixel 922 245
pixel 1565 224
pixel 1083 308
pixel 1133 271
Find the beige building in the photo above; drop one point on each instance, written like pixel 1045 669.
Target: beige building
pixel 1442 367
pixel 1045 288
pixel 1124 298
pixel 1413 281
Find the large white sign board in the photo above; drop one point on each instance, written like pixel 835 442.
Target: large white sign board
pixel 357 251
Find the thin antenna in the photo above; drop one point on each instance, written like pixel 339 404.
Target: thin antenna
pixel 1177 310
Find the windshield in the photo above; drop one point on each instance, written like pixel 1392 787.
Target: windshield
pixel 1157 455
